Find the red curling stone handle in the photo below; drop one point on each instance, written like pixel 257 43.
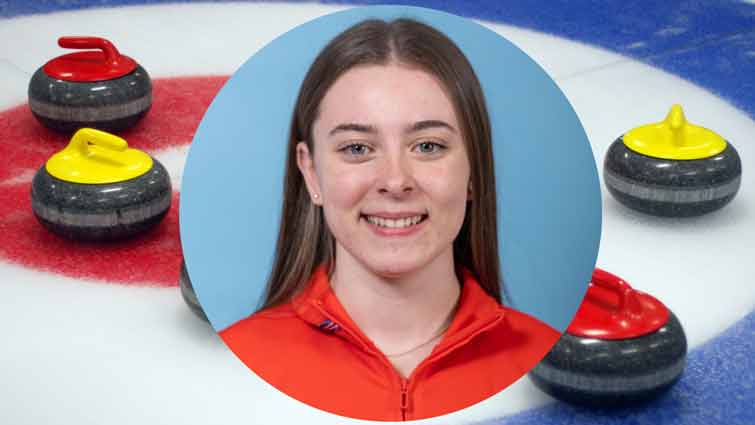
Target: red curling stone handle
pixel 112 55
pixel 96 60
pixel 600 316
pixel 628 302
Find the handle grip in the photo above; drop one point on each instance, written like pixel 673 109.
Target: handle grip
pixel 109 145
pixel 628 301
pixel 112 55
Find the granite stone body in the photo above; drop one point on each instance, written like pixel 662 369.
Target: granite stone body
pixel 110 105
pixel 671 187
pixel 598 372
pixel 188 294
pixel 101 212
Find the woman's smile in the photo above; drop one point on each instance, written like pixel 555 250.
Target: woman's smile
pixel 394 224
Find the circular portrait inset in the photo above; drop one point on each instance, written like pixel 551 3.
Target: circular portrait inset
pixel 390 213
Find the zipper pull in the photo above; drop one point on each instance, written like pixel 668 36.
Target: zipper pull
pixel 404 400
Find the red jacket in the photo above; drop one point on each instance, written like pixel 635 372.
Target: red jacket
pixel 311 350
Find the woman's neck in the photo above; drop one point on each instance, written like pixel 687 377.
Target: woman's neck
pixel 399 313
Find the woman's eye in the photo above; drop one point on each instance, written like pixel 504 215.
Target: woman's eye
pixel 356 149
pixel 429 147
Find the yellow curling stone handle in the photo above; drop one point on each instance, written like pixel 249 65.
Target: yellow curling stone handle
pixel 96 157
pixel 674 138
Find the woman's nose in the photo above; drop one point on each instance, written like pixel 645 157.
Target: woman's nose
pixel 396 176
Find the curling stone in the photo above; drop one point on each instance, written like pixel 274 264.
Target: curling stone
pixel 98 189
pixel 188 294
pixel 101 89
pixel 622 347
pixel 672 168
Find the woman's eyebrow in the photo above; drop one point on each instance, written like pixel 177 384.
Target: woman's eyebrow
pixel 423 125
pixel 361 128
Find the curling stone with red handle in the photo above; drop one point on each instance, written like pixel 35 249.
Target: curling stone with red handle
pixel 99 88
pixel 623 346
pixel 672 168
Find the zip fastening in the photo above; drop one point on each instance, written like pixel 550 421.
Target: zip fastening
pixel 404 399
pixel 433 358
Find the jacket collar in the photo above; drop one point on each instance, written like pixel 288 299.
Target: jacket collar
pixel 318 305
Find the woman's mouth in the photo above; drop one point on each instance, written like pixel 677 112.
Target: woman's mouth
pixel 395 225
pixel 392 223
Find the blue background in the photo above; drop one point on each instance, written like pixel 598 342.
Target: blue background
pixel 548 188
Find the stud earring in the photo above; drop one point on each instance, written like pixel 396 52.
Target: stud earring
pixel 316 196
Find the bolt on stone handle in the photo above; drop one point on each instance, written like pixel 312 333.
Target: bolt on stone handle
pixel 112 55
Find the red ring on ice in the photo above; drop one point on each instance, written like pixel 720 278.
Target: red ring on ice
pixel 154 258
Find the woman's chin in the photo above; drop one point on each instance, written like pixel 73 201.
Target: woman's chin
pixel 394 268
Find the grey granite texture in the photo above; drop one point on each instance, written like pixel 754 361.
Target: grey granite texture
pixel 613 372
pixel 671 188
pixel 110 105
pixel 188 294
pixel 101 212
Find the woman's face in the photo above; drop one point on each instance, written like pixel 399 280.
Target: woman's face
pixel 389 168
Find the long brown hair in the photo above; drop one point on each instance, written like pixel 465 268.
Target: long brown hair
pixel 304 240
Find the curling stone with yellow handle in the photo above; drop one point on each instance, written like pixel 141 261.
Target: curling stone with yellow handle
pixel 672 168
pixel 99 189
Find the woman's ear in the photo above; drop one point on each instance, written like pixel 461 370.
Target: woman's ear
pixel 306 165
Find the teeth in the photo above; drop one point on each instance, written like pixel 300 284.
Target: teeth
pixel 394 224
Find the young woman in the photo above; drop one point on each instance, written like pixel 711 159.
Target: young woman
pixel 383 301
